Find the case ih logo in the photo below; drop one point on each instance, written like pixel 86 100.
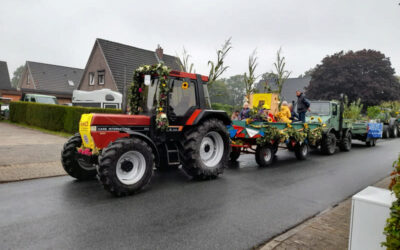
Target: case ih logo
pixel 84 124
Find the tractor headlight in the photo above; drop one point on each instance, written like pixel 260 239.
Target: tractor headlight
pixel 93 128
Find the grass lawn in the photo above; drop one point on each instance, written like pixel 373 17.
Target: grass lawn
pixel 63 134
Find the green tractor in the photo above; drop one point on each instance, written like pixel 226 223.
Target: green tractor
pixel 391 123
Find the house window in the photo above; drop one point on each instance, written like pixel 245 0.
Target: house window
pixel 100 77
pixel 91 78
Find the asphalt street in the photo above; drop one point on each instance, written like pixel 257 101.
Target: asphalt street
pixel 245 207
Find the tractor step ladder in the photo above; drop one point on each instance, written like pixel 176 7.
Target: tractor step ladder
pixel 172 154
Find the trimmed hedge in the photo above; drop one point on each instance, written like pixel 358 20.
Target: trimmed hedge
pixel 50 116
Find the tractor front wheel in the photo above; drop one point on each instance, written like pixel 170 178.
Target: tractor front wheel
pixel 126 166
pixel 206 149
pixel 329 144
pixel 74 165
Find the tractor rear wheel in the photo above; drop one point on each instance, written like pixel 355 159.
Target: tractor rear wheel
pixel 235 154
pixel 386 132
pixel 206 149
pixel 345 143
pixel 264 155
pixel 72 164
pixel 301 151
pixel 126 166
pixel 328 145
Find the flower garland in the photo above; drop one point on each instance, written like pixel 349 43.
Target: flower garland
pixel 136 98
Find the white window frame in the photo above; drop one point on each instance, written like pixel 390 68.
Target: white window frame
pixel 101 73
pixel 91 78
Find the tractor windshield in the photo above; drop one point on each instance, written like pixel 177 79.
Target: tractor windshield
pixel 319 108
pixel 151 96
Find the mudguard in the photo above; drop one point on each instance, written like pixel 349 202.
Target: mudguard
pixel 147 140
pixel 209 113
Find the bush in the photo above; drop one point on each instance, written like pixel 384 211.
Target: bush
pixel 50 116
pixel 373 112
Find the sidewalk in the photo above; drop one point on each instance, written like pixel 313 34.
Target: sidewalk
pixel 327 230
pixel 27 153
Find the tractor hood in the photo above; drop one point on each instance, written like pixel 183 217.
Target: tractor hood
pixel 97 130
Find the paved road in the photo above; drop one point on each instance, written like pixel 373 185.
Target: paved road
pixel 245 207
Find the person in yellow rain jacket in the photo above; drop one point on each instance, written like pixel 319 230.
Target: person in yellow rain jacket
pixel 284 114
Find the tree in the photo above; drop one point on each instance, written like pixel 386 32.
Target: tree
pixel 217 68
pixel 237 89
pixel 17 76
pixel 307 73
pixel 364 74
pixel 219 92
pixel 184 63
pixel 250 77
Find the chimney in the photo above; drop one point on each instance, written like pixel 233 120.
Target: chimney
pixel 159 52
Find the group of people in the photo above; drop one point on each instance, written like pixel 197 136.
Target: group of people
pixel 286 113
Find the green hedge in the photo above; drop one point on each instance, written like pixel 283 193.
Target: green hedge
pixel 226 107
pixel 50 116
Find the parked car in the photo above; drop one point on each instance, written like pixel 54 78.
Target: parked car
pixel 47 99
pixel 4 107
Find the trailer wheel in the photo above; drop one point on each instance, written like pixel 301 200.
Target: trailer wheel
pixel 75 167
pixel 206 149
pixel 235 154
pixel 328 145
pixel 345 144
pixel 126 166
pixel 301 151
pixel 394 131
pixel 386 132
pixel 264 155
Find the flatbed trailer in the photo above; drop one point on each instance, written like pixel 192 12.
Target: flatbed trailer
pixel 368 132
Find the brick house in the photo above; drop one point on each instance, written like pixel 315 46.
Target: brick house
pixel 6 90
pixel 49 79
pixel 111 64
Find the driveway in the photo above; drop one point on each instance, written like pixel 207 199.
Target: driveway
pixel 27 153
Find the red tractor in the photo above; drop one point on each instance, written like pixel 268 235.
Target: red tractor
pixel 122 150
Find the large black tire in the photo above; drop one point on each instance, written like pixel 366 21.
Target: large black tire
pixel 301 151
pixel 264 155
pixel 328 145
pixel 386 132
pixel 345 143
pixel 126 166
pixel 72 164
pixel 205 149
pixel 394 132
pixel 235 154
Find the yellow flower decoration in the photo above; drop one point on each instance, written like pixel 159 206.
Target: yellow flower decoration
pixel 185 85
pixel 248 120
pixel 319 120
pixel 160 109
pixel 289 125
pixel 312 118
pixel 269 119
pixel 306 125
pixel 164 85
pixel 324 125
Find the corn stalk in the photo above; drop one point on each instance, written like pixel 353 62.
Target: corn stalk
pixel 218 68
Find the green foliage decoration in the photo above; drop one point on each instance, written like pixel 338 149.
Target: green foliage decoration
pixel 137 88
pixel 352 110
pixel 373 112
pixel 392 228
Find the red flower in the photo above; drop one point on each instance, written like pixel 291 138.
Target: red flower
pixel 140 90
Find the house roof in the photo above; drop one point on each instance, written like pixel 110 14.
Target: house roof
pixel 289 87
pixel 54 78
pixel 5 83
pixel 119 56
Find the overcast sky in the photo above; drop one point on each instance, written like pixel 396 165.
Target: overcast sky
pixel 63 32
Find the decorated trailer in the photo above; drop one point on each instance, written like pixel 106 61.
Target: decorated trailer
pixel 263 139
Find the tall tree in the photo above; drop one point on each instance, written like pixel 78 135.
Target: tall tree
pixel 250 77
pixel 17 76
pixel 184 63
pixel 217 67
pixel 365 74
